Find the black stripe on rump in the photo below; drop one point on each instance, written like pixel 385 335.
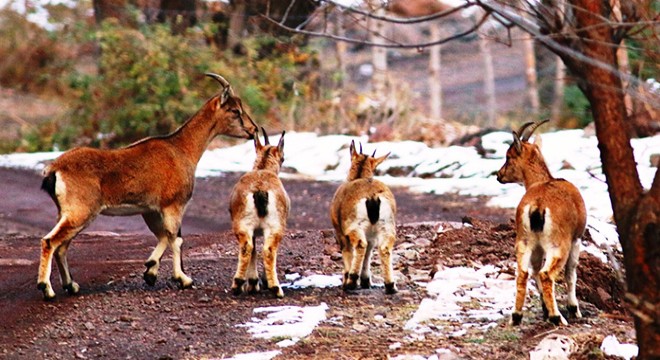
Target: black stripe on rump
pixel 261 202
pixel 373 209
pixel 537 220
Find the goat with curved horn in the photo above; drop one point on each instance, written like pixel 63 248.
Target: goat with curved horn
pixel 531 129
pixel 517 135
pixel 363 214
pixel 153 177
pixel 259 206
pixel 550 218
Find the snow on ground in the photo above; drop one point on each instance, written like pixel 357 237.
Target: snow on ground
pixel 473 298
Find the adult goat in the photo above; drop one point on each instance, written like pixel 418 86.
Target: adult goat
pixel 153 177
pixel 550 218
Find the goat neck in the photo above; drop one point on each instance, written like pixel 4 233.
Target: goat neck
pixel 534 168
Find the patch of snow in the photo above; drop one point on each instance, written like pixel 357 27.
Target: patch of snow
pixel 462 285
pixel 316 280
pixel 292 322
pixel 611 346
pixel 266 355
pixel 553 347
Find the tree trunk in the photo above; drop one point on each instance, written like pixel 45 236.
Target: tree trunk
pixel 530 73
pixel 558 98
pixel 379 57
pixel 434 75
pixel 636 214
pixel 236 23
pixel 489 80
pixel 180 13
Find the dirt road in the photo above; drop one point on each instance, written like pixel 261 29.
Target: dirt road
pixel 118 316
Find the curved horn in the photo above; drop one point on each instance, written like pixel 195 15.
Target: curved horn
pixel 522 129
pixel 266 141
pixel 219 78
pixel 222 81
pixel 360 148
pixel 374 154
pixel 516 142
pixel 532 128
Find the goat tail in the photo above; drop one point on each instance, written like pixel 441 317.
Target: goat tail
pixel 261 202
pixel 537 219
pixel 48 185
pixel 373 209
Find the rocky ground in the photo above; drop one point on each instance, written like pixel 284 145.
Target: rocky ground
pixel 117 316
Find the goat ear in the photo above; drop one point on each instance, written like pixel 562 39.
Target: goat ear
pixel 280 144
pixel 379 160
pixel 538 141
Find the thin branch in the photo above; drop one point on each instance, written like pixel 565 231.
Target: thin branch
pixel 286 13
pixel 396 20
pixel 385 45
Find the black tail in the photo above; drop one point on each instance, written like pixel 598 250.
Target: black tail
pixel 373 209
pixel 261 203
pixel 48 185
pixel 537 220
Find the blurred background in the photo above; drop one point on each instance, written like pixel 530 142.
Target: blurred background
pixel 105 73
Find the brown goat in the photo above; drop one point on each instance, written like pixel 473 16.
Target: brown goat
pixel 550 218
pixel 259 205
pixel 153 177
pixel 363 214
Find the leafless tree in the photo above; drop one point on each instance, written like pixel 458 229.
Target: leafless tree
pixel 586 35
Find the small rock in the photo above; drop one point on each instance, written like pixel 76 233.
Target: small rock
pixel 336 256
pixel 204 299
pixel 89 326
pixel 125 318
pixel 360 328
pixel 422 242
pixel 149 300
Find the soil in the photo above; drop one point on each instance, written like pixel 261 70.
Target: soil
pixel 116 315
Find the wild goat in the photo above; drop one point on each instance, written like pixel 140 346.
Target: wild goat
pixel 153 177
pixel 259 205
pixel 550 218
pixel 363 213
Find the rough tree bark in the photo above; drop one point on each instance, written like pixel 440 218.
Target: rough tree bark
pixel 636 213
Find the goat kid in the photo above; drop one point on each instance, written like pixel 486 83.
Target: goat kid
pixel 259 206
pixel 363 212
pixel 550 218
pixel 153 177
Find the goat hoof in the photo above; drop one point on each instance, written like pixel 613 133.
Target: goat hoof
pixel 390 289
pixel 558 320
pixel 49 294
pixel 72 289
pixel 516 319
pixel 574 312
pixel 237 286
pixel 277 291
pixel 365 283
pixel 150 278
pixel 184 283
pixel 253 286
pixel 545 311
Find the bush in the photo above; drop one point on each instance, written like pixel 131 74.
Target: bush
pixel 150 81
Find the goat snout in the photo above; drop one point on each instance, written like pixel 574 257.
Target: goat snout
pixel 500 177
